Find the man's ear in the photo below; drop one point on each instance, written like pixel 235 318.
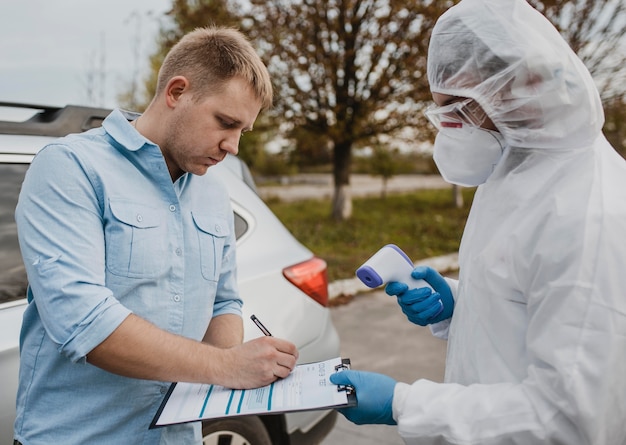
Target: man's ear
pixel 175 89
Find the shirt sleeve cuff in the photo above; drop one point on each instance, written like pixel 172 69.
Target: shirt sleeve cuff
pixel 95 329
pixel 227 307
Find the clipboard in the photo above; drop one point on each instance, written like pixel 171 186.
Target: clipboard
pixel 307 388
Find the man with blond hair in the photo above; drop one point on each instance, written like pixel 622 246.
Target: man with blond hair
pixel 129 248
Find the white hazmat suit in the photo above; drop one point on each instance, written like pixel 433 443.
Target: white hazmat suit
pixel 537 342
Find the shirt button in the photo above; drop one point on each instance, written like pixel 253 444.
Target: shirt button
pixel 179 251
pixel 172 208
pixel 139 218
pixel 218 228
pixel 163 389
pixel 176 298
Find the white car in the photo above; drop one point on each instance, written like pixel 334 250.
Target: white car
pixel 280 280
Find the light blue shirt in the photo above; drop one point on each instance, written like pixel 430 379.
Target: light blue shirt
pixel 104 233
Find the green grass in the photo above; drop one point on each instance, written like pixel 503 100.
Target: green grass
pixel 423 224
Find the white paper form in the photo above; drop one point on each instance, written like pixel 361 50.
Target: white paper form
pixel 307 388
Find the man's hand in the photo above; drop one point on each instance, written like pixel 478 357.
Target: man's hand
pixel 141 350
pixel 257 363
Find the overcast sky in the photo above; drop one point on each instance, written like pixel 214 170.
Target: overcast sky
pixel 50 48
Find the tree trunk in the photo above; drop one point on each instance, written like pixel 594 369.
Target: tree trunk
pixel 342 203
pixel 458 196
pixel 342 199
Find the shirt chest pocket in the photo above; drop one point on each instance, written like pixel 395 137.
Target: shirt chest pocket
pixel 212 234
pixel 136 240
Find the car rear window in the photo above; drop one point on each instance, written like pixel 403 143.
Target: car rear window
pixel 12 273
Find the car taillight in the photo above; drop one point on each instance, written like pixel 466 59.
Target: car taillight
pixel 310 277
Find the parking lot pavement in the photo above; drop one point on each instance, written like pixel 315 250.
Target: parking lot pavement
pixel 377 337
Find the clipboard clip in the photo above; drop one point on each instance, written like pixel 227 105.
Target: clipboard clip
pixel 345 364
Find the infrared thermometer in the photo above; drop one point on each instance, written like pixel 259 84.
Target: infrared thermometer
pixel 390 263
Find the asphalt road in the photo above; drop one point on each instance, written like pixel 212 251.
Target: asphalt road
pixel 377 337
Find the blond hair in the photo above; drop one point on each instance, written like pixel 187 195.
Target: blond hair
pixel 209 57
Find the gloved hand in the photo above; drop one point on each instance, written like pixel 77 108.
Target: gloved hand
pixel 422 306
pixel 374 394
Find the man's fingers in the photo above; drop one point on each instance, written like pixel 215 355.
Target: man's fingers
pixel 282 371
pixel 285 355
pixel 288 362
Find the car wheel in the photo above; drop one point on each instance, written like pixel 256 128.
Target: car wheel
pixel 240 431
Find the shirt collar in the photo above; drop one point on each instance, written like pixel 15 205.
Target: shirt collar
pixel 120 129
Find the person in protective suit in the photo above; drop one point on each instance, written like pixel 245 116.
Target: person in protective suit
pixel 536 324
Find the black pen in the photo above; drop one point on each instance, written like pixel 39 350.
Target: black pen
pixel 260 325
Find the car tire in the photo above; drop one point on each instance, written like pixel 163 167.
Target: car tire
pixel 239 431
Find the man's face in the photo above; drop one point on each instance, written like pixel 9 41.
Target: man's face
pixel 201 133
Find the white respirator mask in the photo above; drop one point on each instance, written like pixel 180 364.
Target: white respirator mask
pixel 467 155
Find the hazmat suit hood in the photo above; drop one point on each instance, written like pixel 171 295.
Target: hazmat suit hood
pixel 519 69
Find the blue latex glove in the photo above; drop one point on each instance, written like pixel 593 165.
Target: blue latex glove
pixel 374 395
pixel 422 306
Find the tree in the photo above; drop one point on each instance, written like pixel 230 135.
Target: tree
pixel 596 30
pixel 351 69
pixel 310 149
pixel 384 163
pixel 615 125
pixel 346 70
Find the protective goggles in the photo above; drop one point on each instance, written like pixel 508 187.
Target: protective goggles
pixel 456 115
